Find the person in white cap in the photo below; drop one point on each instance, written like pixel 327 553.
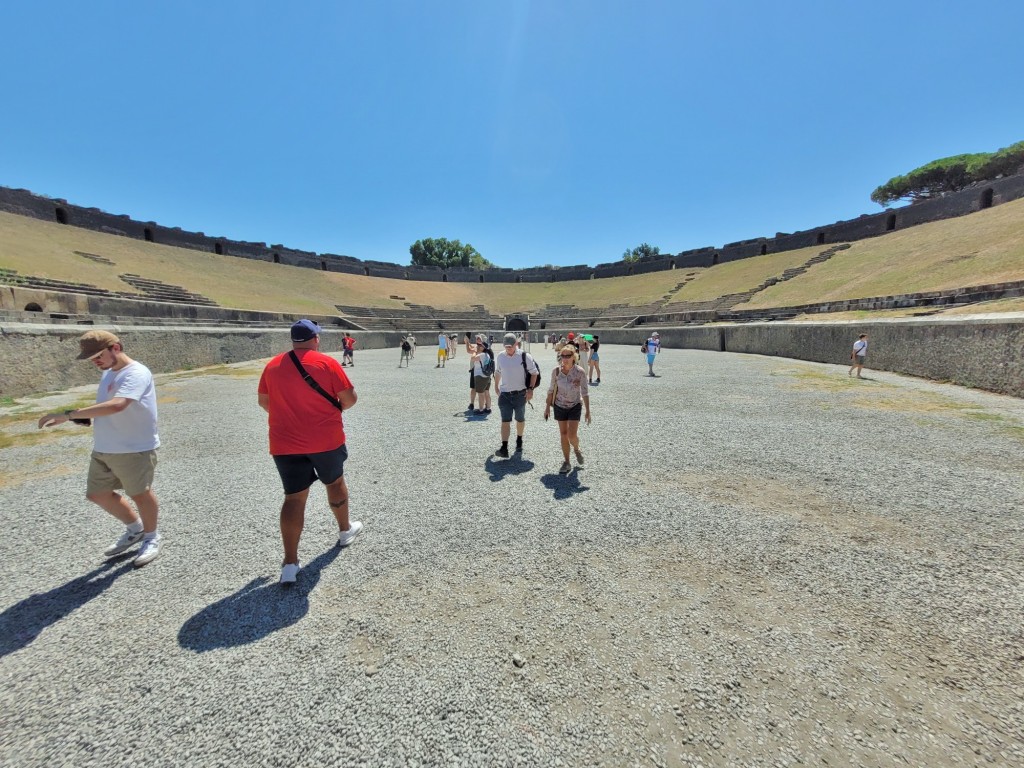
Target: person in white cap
pixel 304 393
pixel 653 348
pixel 125 440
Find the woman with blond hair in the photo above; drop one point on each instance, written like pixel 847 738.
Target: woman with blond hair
pixel 568 395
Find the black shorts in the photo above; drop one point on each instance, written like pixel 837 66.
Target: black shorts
pixel 298 471
pixel 568 414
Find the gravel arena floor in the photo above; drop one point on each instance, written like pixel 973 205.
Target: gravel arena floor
pixel 764 562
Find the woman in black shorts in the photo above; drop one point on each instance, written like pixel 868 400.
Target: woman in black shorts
pixel 569 395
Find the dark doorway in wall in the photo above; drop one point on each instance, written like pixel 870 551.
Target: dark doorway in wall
pixel 672 265
pixel 323 265
pixel 519 278
pixel 62 216
pixel 218 248
pixel 890 222
pixel 517 324
pixel 714 259
pixel 986 199
pixel 481 278
pixel 630 271
pixel 444 278
pixel 821 238
pixel 147 234
pixel 764 248
pixel 277 258
pixel 593 276
pixel 33 307
pixel 366 271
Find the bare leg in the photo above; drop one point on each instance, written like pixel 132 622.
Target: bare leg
pixel 337 497
pixel 506 427
pixel 573 436
pixel 149 509
pixel 116 505
pixel 293 516
pixel 563 433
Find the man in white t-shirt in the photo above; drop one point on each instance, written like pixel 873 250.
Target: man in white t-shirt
pixel 125 440
pixel 859 355
pixel 653 348
pixel 513 390
pixel 442 350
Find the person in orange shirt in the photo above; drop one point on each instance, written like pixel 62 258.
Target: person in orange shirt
pixel 307 436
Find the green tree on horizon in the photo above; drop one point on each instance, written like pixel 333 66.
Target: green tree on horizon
pixel 442 252
pixel 950 174
pixel 641 251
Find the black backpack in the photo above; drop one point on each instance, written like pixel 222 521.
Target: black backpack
pixel 488 367
pixel 406 346
pixel 528 374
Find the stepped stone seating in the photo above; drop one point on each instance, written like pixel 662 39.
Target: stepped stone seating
pixel 95 257
pixel 419 317
pixel 158 291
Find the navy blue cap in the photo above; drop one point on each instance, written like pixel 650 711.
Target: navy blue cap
pixel 304 330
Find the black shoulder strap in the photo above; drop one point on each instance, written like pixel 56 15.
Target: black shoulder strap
pixel 529 376
pixel 312 382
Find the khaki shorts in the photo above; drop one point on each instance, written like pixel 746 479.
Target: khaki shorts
pixel 481 384
pixel 132 472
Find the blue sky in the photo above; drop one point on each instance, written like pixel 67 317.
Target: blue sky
pixel 540 132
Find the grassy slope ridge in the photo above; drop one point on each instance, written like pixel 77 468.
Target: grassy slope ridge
pixel 985 247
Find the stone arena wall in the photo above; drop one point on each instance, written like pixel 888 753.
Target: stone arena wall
pixel 987 354
pixel 25 203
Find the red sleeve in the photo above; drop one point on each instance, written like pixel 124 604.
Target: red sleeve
pixel 338 375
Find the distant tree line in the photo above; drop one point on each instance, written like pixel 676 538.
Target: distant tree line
pixel 951 174
pixel 642 250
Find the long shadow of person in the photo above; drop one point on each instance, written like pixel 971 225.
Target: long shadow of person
pixel 22 622
pixel 499 470
pixel 260 607
pixel 564 486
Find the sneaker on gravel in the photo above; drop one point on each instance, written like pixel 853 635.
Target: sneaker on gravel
pixel 148 552
pixel 347 537
pixel 288 573
pixel 579 456
pixel 502 452
pixel 126 542
pixel 566 466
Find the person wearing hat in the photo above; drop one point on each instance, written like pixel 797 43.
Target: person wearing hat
pixel 513 390
pixel 653 348
pixel 125 440
pixel 304 393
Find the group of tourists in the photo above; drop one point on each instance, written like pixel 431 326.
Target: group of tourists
pixel 305 393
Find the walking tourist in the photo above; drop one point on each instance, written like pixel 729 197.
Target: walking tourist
pixel 304 393
pixel 483 369
pixel 568 394
pixel 652 347
pixel 125 439
pixel 442 350
pixel 348 346
pixel 859 355
pixel 595 361
pixel 405 347
pixel 515 375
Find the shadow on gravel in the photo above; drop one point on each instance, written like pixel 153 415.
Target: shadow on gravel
pixel 22 622
pixel 259 608
pixel 564 486
pixel 499 469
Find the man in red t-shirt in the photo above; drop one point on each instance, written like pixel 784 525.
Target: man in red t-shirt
pixel 348 346
pixel 307 437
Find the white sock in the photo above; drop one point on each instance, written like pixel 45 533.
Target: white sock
pixel 135 527
pixel 151 536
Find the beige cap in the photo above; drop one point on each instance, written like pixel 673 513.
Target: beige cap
pixel 94 342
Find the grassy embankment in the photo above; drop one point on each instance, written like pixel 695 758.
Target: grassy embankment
pixel 985 247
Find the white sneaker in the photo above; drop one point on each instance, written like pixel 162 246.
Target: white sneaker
pixel 288 573
pixel 347 537
pixel 148 552
pixel 126 542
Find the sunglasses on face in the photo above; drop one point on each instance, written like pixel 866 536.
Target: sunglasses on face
pixel 567 357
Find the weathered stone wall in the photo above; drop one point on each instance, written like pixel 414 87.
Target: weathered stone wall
pixel 25 203
pixel 988 354
pixel 41 358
